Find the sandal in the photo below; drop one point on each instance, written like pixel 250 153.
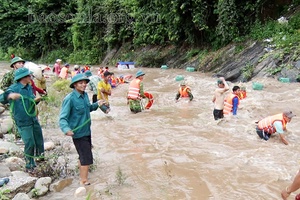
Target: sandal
pixel 85 183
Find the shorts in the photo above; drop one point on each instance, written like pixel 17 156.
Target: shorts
pixel 218 114
pixel 83 147
pixel 262 134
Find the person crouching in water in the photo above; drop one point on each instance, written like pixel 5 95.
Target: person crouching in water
pixel 136 92
pixel 232 101
pixel 184 92
pixel 272 124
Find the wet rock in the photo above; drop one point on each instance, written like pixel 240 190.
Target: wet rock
pixel 9 137
pixel 42 186
pixel 4 171
pixel 14 163
pixel 80 192
pixel 60 185
pixel 21 196
pixel 49 146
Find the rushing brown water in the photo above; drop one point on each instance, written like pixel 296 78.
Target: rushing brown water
pixel 177 151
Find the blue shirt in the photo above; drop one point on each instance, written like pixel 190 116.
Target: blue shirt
pixel 278 126
pixel 23 109
pixel 235 104
pixel 75 114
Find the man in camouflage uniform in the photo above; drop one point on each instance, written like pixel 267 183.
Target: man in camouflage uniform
pixel 8 80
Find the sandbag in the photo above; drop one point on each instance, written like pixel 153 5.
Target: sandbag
pixel 37 70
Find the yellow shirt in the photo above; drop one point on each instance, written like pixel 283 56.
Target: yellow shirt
pixel 106 87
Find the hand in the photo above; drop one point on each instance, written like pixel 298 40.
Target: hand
pixel 38 99
pixel 14 96
pixel 70 133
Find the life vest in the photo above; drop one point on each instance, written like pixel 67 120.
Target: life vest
pixel 73 73
pixel 113 81
pixel 183 92
pixel 134 89
pixel 242 94
pixel 120 80
pixel 266 124
pixel 228 103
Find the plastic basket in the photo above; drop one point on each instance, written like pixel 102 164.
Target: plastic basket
pixel 164 67
pixel 284 80
pixel 179 78
pixel 190 69
pixel 257 86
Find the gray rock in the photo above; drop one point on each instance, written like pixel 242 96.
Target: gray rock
pixel 21 196
pixel 20 182
pixel 12 147
pixel 4 171
pixel 14 163
pixel 42 185
pixel 6 125
pixel 49 146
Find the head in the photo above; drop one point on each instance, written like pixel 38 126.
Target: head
pixel 220 83
pixel 183 84
pixel 76 67
pixel 88 73
pixel 79 82
pixel 23 75
pixel 236 89
pixel 288 115
pixel 67 65
pixel 17 63
pixel 58 61
pixel 107 76
pixel 140 74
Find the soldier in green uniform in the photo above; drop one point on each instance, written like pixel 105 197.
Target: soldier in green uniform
pixel 8 78
pixel 22 101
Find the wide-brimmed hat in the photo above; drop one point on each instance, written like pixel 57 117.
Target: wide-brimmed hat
pixel 79 77
pixel 21 73
pixel 139 73
pixel 88 73
pixel 15 60
pixel 58 60
pixel 289 114
pixel 219 81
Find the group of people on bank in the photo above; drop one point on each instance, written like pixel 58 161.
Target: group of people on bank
pixel 75 121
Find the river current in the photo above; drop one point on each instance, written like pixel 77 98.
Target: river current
pixel 177 151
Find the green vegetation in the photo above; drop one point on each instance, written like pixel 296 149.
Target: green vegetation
pixel 247 72
pixel 83 31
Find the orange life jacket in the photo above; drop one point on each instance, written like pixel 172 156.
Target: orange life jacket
pixel 113 81
pixel 266 124
pixel 183 92
pixel 134 89
pixel 242 94
pixel 228 103
pixel 120 80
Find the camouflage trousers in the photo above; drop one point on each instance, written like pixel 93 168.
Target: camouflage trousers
pixel 135 105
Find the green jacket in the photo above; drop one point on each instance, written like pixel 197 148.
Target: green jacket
pixel 75 114
pixel 23 109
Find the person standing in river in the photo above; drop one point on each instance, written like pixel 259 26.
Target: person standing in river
pixel 75 121
pixel 136 92
pixel 218 98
